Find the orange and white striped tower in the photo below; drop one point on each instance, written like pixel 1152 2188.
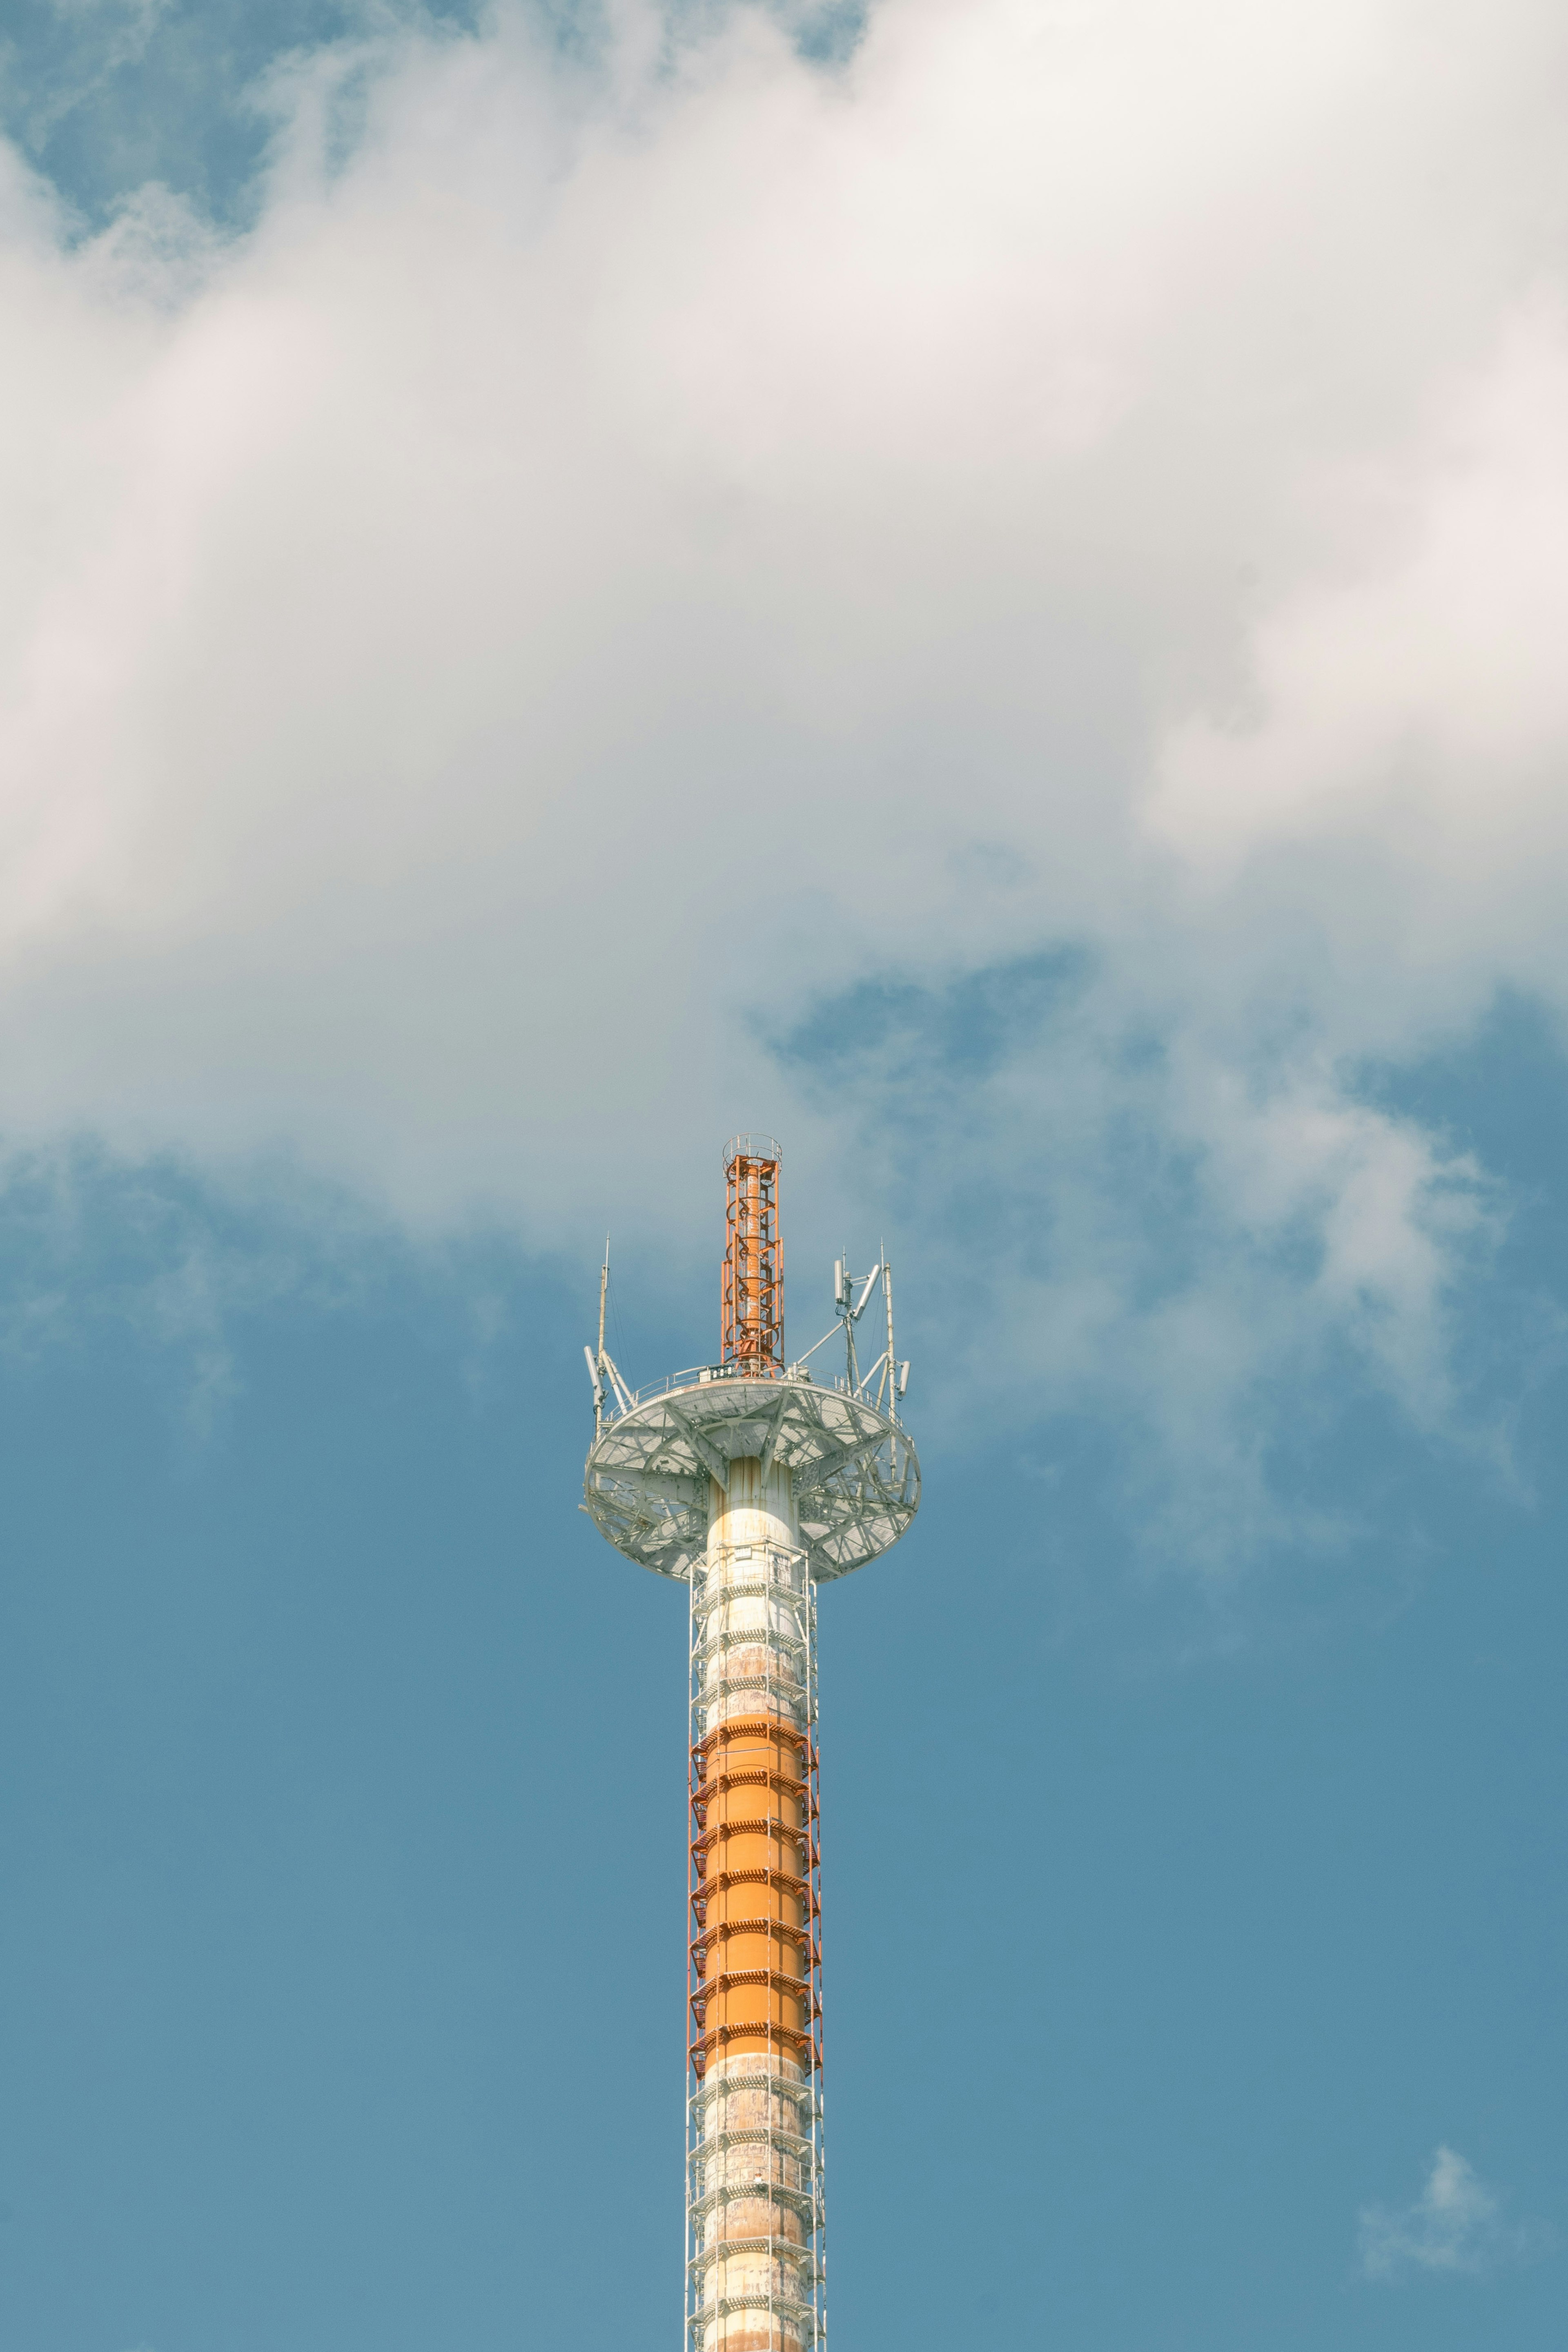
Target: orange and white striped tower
pixel 754 1482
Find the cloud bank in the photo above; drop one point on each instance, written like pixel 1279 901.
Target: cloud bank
pixel 639 562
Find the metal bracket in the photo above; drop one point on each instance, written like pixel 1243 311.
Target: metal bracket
pixel 708 1454
pixel 776 1431
pixel 815 1474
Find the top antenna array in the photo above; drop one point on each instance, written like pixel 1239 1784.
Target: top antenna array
pixel 751 1301
pixel 662 1454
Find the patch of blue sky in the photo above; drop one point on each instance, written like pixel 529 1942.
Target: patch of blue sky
pixel 106 97
pixel 308 1984
pixel 111 96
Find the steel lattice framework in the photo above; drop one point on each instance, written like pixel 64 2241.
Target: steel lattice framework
pixel 752 1285
pixel 854 1475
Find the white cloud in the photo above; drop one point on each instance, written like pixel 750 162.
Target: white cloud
pixel 1195 1256
pixel 1411 716
pixel 1455 2225
pixel 614 552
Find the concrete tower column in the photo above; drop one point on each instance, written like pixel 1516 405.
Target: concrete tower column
pixel 754 2149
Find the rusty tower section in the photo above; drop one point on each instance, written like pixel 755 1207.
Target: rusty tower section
pixel 751 1288
pixel 753 1482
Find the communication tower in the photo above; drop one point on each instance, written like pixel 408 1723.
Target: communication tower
pixel 753 1481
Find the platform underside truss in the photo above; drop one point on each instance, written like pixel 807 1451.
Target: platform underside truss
pixel 855 1476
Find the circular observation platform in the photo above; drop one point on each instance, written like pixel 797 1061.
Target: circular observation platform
pixel 854 1474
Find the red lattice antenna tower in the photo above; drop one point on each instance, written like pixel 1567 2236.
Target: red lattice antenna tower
pixel 751 1300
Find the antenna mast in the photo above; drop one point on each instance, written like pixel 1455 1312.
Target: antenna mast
pixel 751 1286
pixel 599 1360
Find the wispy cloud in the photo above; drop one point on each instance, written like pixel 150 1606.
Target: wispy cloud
pixel 1456 2225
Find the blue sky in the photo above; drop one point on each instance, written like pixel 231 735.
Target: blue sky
pixel 978 588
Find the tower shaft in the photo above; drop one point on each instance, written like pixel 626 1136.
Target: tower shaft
pixel 754 2136
pixel 754 1481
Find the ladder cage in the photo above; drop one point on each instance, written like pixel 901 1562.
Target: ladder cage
pixel 751 1300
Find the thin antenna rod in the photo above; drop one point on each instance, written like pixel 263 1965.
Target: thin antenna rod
pixel 599 1360
pixel 851 1369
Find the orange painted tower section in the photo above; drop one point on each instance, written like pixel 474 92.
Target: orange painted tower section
pixel 755 1854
